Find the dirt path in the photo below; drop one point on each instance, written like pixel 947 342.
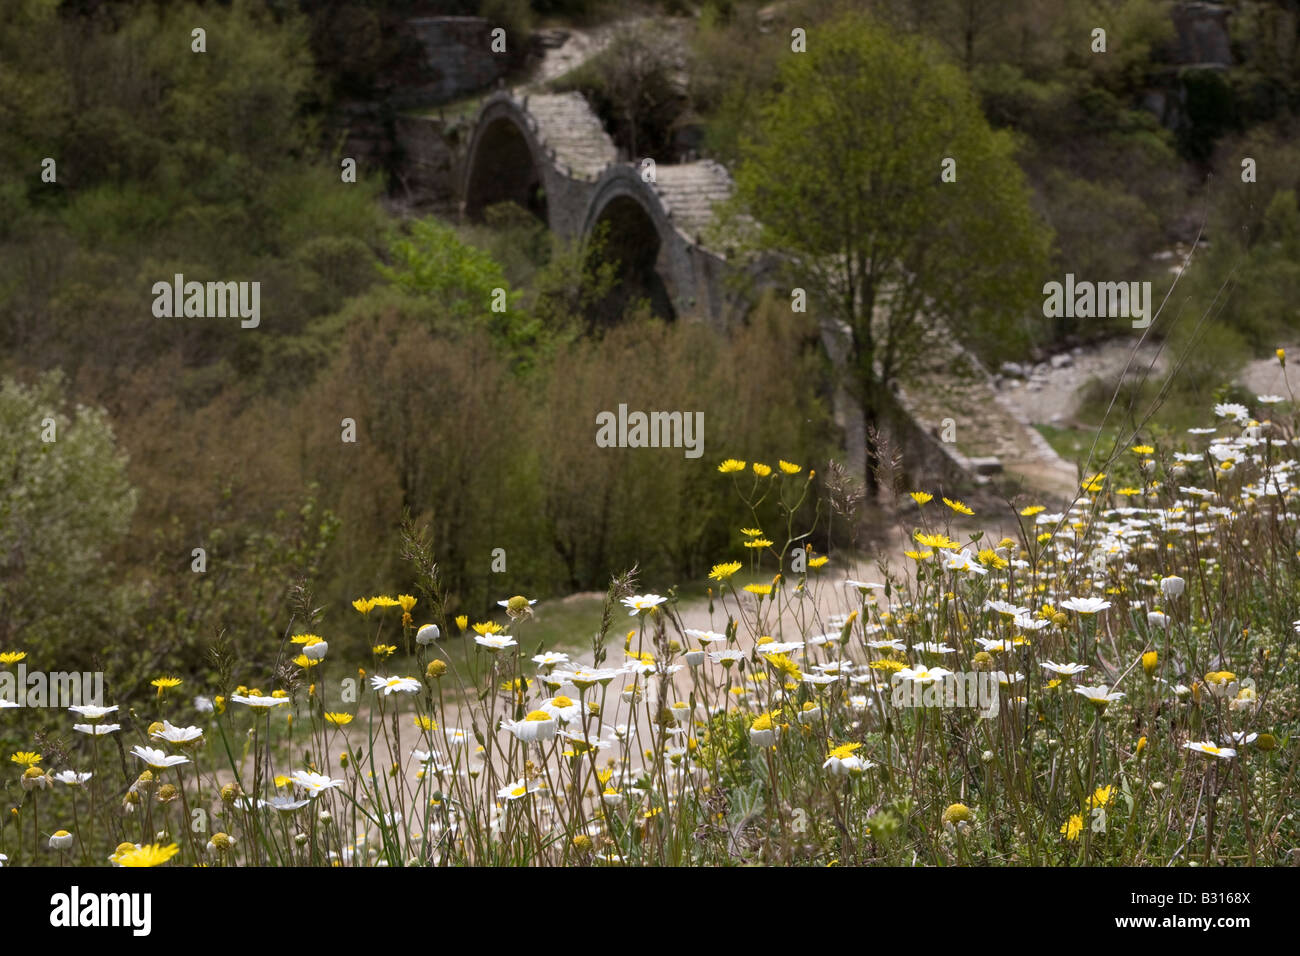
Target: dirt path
pixel 830 598
pixel 1049 393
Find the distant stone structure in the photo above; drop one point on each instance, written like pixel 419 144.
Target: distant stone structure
pixel 550 154
pixel 458 53
pixel 1203 37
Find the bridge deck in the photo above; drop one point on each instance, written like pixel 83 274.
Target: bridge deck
pixel 690 190
pixel 567 125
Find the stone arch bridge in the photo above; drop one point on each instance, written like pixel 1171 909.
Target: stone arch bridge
pixel 549 153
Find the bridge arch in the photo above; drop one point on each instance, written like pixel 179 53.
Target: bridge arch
pixel 505 162
pixel 638 233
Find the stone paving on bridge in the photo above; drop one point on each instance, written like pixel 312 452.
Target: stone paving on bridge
pixel 568 128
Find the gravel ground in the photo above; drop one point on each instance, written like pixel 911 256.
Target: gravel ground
pixel 1048 393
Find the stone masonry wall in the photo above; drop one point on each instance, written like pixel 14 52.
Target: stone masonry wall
pixel 458 51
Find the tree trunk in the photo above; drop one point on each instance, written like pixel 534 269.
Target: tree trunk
pixel 846 403
pixel 867 389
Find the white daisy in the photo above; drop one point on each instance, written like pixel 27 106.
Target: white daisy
pixel 705 637
pixel 537 727
pixel 92 711
pixel 550 659
pixel 177 735
pixel 395 685
pixel 963 560
pixel 313 784
pixel 96 730
pixel 156 758
pixel 1066 670
pixel 864 586
pixel 564 709
pixel 1100 695
pixel 922 674
pixel 1206 747
pixel 284 804
pixel 515 790
pixel 642 602
pixel 259 703
pixel 71 777
pixel 1088 605
pixel 1232 410
pixel 726 657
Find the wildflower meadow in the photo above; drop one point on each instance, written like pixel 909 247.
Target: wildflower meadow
pixel 1140 647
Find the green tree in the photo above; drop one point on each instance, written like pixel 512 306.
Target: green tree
pixel 65 503
pixel 844 175
pixel 466 283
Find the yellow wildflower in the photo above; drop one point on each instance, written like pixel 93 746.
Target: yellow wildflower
pixel 725 570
